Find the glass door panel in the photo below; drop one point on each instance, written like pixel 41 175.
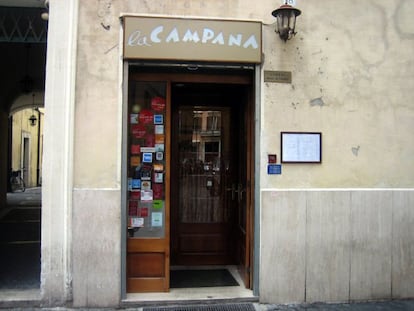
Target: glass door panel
pixel 204 155
pixel 147 192
pixel 200 152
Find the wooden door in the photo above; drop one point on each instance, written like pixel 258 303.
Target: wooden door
pixel 243 188
pixel 204 219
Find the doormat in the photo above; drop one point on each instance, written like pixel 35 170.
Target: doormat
pixel 224 307
pixel 201 278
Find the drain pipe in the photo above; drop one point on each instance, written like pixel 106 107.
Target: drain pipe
pixel 38 148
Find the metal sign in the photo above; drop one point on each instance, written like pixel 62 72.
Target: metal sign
pixel 192 39
pixel 278 76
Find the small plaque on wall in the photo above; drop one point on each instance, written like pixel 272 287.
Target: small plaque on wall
pixel 301 147
pixel 278 76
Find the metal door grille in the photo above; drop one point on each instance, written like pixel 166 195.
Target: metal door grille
pixel 213 307
pixel 22 25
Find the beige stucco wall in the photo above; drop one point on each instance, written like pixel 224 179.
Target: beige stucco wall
pixel 352 80
pixel 354 86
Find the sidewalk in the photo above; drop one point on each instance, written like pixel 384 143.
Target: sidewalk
pixel 31 197
pixel 395 305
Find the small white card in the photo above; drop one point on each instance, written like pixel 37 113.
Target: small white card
pixel 156 219
pixel 137 222
pixel 146 195
pixel 159 129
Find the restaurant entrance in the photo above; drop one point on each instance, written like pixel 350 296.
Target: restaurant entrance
pixel 194 208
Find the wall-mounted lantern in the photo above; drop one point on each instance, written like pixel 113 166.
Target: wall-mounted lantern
pixel 33 120
pixel 286 20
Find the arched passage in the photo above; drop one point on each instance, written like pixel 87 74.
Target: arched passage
pixel 22 84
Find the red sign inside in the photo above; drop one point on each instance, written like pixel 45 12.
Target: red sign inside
pixel 146 117
pixel 150 140
pixel 135 195
pixel 133 208
pixel 143 212
pixel 158 191
pixel 158 104
pixel 135 149
pixel 138 131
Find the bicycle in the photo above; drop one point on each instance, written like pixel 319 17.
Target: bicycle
pixel 17 182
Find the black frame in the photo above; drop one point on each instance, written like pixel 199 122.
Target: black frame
pixel 300 141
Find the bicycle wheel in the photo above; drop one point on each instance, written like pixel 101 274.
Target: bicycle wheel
pixel 14 184
pixel 17 184
pixel 22 185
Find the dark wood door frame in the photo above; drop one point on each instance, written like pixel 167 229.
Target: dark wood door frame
pixel 242 79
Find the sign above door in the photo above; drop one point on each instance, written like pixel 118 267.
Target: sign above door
pixel 192 39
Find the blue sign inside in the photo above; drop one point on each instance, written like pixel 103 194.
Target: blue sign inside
pixel 147 157
pixel 136 183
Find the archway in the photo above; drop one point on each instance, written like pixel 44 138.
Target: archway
pixel 22 84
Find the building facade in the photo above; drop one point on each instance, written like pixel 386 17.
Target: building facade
pixel 302 147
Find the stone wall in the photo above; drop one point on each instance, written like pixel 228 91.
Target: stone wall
pixel 336 245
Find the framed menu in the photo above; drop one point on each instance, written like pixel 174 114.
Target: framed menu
pixel 301 147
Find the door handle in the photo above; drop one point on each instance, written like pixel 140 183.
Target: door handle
pixel 236 189
pixel 240 191
pixel 233 191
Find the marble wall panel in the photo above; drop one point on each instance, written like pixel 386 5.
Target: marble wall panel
pixel 327 247
pixel 403 245
pixel 371 236
pixel 282 268
pixel 96 237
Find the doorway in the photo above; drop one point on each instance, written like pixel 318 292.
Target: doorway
pixel 208 214
pixel 25 161
pixel 208 180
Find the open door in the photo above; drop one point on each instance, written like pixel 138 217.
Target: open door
pixel 242 186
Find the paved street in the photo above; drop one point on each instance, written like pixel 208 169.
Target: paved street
pixel 20 241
